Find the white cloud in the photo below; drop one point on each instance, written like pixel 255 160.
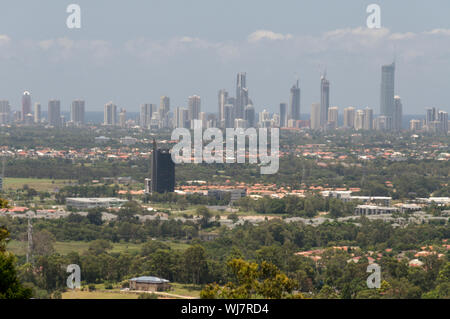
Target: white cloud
pixel 445 32
pixel 402 36
pixel 4 39
pixel 357 32
pixel 267 35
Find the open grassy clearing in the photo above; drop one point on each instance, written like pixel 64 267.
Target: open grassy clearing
pixel 19 248
pixel 41 185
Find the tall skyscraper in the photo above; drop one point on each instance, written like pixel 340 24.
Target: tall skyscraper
pixel 283 115
pixel 146 114
pixel 315 116
pixel 431 115
pixel 387 89
pixel 164 105
pixel 250 115
pixel 228 116
pixel 123 118
pixel 349 117
pixel 26 104
pixel 194 103
pixel 5 112
pixel 181 118
pixel 54 113
pixel 163 171
pixel 324 100
pixel 37 113
pixel 443 122
pixel 110 114
pixel 294 110
pixel 368 119
pixel 77 110
pixel 397 114
pixel 222 100
pixel 359 120
pixel 241 95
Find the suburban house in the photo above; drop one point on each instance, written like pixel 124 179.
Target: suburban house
pixel 149 283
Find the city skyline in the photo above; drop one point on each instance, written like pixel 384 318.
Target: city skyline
pixel 131 62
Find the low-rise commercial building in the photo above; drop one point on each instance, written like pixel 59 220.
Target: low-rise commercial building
pixel 87 203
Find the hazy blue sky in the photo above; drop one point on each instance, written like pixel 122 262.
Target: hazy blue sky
pixel 134 51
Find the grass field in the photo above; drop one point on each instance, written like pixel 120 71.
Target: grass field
pixel 97 295
pixel 185 290
pixel 19 248
pixel 38 184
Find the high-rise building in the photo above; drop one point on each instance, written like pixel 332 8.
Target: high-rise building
pixel 383 123
pixel 222 99
pixel 443 122
pixel 431 115
pixel 164 109
pixel 315 116
pixel 37 113
pixel 333 115
pixel 181 118
pixel 283 115
pixel 5 112
pixel 359 120
pixel 163 171
pixel 415 125
pixel 123 118
pixel 324 100
pixel 110 114
pixel 194 103
pixel 26 104
pixel 397 114
pixel 368 119
pixel 387 90
pixel 264 116
pixel 228 113
pixel 77 112
pixel 164 106
pixel 294 110
pixel 202 116
pixel 349 117
pixel 241 95
pixel 240 123
pixel 250 115
pixel 54 113
pixel 146 114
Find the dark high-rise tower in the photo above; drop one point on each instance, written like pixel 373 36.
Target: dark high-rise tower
pixel 294 111
pixel 387 102
pixel 163 171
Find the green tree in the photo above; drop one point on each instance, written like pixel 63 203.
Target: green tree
pixel 195 263
pixel 252 280
pixel 10 285
pixel 95 217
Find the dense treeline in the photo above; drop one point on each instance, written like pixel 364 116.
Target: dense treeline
pixel 274 242
pixel 82 171
pixel 297 206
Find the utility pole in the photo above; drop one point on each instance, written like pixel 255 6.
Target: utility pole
pixel 2 177
pixel 30 241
